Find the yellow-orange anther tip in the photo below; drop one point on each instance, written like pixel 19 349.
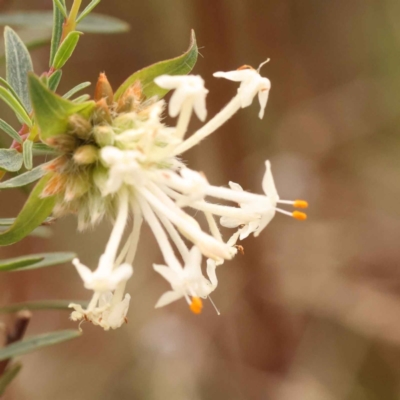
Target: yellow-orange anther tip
pixel 301 204
pixel 299 215
pixel 196 305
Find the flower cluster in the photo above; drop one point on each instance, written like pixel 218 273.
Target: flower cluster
pixel 127 162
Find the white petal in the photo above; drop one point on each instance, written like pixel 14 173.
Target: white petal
pixel 211 266
pixel 247 91
pixel 118 312
pixel 235 186
pixel 200 107
pixel 110 155
pixel 263 98
pixel 268 183
pixel 167 273
pixel 229 222
pixel 265 220
pixel 84 272
pixel 167 81
pixel 167 298
pixel 236 76
pixel 175 103
pixel 248 229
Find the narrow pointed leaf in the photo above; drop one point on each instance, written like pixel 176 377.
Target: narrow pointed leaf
pixel 61 6
pixel 24 179
pixel 181 65
pixel 87 10
pixel 76 89
pixel 35 261
pixel 18 64
pixel 56 20
pixel 36 342
pixel 27 152
pixel 10 131
pixel 81 99
pixel 12 91
pixel 93 23
pixel 14 103
pixel 34 212
pixel 42 232
pixel 8 376
pixel 52 111
pixel 10 160
pixel 54 80
pixel 42 305
pixel 66 49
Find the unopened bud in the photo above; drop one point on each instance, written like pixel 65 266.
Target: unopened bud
pixel 55 185
pixel 131 99
pixel 79 126
pixel 104 90
pixel 86 155
pixel 63 143
pixel 103 135
pixel 100 177
pixel 76 187
pixel 57 165
pixel 101 113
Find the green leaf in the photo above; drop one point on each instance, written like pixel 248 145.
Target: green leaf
pixel 34 212
pixel 42 305
pixel 41 149
pixel 181 65
pixel 87 10
pixel 66 49
pixel 36 342
pixel 61 6
pixel 35 261
pixel 16 106
pixel 56 20
pixel 10 160
pixel 10 131
pixel 24 179
pixel 76 89
pixel 12 91
pixel 27 153
pixel 18 64
pixel 54 80
pixel 81 99
pixel 8 376
pixel 52 111
pixel 93 23
pixel 42 232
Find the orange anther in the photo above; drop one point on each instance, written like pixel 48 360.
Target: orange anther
pixel 196 305
pixel 301 204
pixel 299 215
pixel 245 67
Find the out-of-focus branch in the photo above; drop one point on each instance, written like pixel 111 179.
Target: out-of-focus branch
pixel 17 333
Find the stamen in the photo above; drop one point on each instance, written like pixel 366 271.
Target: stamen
pixel 300 204
pixel 196 305
pixel 215 307
pixel 262 64
pixel 299 215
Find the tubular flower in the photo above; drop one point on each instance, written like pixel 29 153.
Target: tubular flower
pixel 123 161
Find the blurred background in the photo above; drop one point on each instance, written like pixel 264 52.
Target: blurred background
pixel 312 311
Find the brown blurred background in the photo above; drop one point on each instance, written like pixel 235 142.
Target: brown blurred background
pixel 312 311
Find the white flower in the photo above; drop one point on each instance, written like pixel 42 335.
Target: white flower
pixel 252 83
pixel 188 283
pixel 190 88
pixel 265 206
pixel 103 279
pixel 123 166
pixel 108 313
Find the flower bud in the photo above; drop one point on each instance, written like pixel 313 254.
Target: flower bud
pixel 131 99
pixel 79 126
pixel 104 90
pixel 101 113
pixel 75 188
pixel 103 135
pixel 100 178
pixel 86 155
pixel 64 143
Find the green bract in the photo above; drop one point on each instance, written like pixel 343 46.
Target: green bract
pixel 181 65
pixel 52 111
